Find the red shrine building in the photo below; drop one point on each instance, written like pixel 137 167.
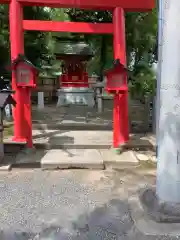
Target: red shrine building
pixel 22 125
pixel 74 81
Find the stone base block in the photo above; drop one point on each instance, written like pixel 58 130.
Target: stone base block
pixel 72 158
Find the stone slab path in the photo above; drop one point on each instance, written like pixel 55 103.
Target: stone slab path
pixel 72 148
pixel 73 138
pixel 74 158
pixel 78 158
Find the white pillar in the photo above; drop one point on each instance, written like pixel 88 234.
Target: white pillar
pixel 41 100
pixel 161 10
pixel 99 100
pixel 1 136
pixel 168 166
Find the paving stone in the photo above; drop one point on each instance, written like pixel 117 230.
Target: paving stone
pixel 154 159
pixel 32 157
pixel 5 167
pixel 82 138
pixel 110 157
pixel 142 157
pixel 73 158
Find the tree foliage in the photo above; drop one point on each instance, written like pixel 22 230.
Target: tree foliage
pixel 4 36
pixel 36 48
pixel 141 31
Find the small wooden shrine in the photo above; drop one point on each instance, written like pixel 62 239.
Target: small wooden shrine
pixel 73 82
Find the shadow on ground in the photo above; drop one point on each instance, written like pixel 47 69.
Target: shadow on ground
pixel 111 221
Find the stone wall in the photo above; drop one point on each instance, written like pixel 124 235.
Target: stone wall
pixel 139 114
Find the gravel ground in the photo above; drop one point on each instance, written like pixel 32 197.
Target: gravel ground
pixel 76 205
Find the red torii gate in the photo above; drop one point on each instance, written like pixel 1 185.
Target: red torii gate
pixel 18 25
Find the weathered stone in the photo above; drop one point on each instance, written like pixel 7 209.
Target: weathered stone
pixel 72 158
pixel 154 159
pixel 29 157
pixel 5 167
pixel 142 157
pixel 110 157
pixel 143 219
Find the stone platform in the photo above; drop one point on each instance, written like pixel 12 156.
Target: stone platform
pixel 82 158
pixel 74 158
pixel 152 219
pixel 63 138
pixel 86 139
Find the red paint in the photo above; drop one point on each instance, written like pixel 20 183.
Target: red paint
pixel 74 73
pixel 25 80
pixel 26 91
pixel 119 35
pixel 121 123
pixel 17 46
pixel 116 79
pixel 116 121
pixel 74 27
pixel 68 81
pixel 127 5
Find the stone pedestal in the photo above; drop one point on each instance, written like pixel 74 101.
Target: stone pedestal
pixel 1 137
pixel 40 100
pixel 1 147
pixel 77 96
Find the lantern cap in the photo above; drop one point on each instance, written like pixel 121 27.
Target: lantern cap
pixel 22 59
pixel 116 63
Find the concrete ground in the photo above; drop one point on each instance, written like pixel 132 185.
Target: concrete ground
pixel 73 204
pixel 83 149
pixel 70 204
pixel 72 140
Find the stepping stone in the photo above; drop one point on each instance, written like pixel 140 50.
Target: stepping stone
pixel 127 158
pixel 72 158
pixel 142 157
pixel 5 167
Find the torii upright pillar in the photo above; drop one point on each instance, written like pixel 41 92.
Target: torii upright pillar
pixel 120 112
pixel 17 47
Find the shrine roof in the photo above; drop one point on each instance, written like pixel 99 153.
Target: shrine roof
pixel 73 49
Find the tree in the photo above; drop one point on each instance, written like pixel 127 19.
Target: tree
pixel 36 43
pixel 141 29
pixel 99 43
pixel 4 38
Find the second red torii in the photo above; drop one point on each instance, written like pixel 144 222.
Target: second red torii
pixel 117 28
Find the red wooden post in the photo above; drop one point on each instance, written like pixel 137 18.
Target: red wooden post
pixel 17 47
pixel 120 112
pixel 27 115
